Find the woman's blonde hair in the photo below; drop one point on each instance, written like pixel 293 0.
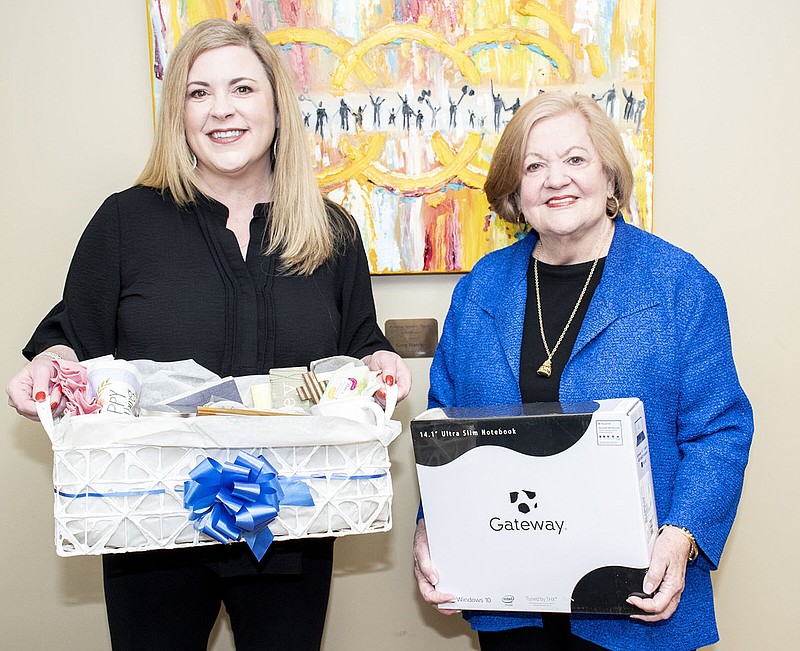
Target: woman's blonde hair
pixel 299 230
pixel 507 168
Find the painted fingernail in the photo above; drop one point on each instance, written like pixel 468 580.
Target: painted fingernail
pixel 380 393
pixel 53 405
pixel 40 396
pixel 389 380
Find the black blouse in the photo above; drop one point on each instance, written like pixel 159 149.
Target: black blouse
pixel 559 287
pixel 150 280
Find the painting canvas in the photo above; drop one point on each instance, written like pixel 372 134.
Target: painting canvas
pixel 404 102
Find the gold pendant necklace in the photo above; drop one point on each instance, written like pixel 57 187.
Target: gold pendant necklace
pixel 546 369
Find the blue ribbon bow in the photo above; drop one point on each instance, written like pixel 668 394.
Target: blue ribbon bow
pixel 235 501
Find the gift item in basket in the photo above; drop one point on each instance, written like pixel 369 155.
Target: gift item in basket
pixel 312 387
pixel 117 385
pixel 235 411
pixel 223 389
pixel 71 379
pixel 119 482
pixel 284 383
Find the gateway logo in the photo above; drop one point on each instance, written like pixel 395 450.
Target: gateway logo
pixel 525 500
pixel 523 506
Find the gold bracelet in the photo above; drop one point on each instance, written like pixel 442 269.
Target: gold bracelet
pixel 694 549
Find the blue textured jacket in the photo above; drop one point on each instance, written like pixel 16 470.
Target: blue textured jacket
pixel 656 329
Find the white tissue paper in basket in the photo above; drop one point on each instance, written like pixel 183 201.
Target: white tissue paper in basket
pixel 119 480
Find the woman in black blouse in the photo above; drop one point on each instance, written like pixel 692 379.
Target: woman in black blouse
pixel 227 253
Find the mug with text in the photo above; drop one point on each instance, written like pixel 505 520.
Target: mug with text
pixel 117 384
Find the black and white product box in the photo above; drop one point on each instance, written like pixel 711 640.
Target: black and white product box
pixel 543 507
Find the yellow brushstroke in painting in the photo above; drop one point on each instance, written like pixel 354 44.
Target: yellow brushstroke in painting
pixel 647 48
pixel 523 37
pixel 617 44
pixel 425 182
pixel 151 50
pixel 471 174
pixel 195 11
pixel 640 13
pixel 200 11
pixel 482 14
pixel 177 32
pixel 599 67
pixel 565 34
pixel 355 197
pixel 394 32
pixel 512 66
pixel 556 22
pixel 647 57
pixel 336 44
pixel 361 156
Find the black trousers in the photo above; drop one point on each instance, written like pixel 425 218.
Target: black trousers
pixel 169 600
pixel 555 635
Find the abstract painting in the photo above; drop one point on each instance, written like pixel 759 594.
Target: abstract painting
pixel 404 102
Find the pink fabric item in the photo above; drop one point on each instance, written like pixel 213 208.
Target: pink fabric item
pixel 73 380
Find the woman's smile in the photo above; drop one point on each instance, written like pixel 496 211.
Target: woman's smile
pixel 225 137
pixel 561 201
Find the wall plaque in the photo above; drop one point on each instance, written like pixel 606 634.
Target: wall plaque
pixel 413 337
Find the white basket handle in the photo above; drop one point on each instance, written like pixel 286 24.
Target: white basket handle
pixel 46 418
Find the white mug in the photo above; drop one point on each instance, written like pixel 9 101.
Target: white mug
pixel 361 409
pixel 117 385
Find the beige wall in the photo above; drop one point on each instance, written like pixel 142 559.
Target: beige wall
pixel 76 125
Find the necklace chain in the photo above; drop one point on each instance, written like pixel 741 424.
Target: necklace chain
pixel 546 369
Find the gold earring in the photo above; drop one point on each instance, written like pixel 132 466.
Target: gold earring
pixel 616 209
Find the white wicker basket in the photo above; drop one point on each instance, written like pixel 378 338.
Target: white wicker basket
pixel 119 480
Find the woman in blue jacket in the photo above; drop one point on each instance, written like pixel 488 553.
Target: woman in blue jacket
pixel 587 307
